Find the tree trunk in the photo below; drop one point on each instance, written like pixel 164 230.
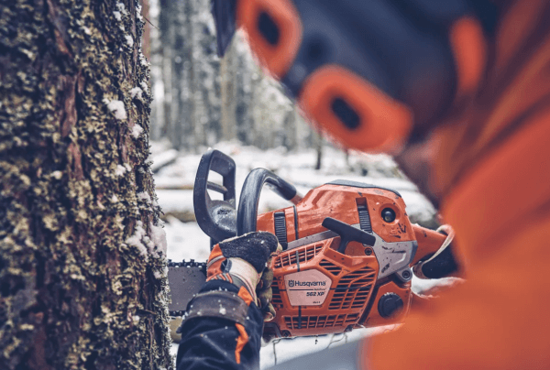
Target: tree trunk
pixel 82 262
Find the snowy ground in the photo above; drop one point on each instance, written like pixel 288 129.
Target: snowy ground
pixel 187 241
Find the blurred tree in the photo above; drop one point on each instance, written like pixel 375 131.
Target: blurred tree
pixel 82 262
pixel 206 99
pixel 190 70
pixel 228 74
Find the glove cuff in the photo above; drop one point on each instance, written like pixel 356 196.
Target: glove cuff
pixel 240 273
pixel 217 303
pixel 246 273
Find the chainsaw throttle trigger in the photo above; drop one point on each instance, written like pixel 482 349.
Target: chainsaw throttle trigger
pixel 217 218
pixel 348 233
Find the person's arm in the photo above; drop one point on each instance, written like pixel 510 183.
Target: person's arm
pixel 215 342
pixel 222 326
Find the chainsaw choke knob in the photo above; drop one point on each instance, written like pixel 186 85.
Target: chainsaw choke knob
pixel 389 305
pixel 388 215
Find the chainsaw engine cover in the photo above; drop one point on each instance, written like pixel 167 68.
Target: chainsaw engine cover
pixel 319 290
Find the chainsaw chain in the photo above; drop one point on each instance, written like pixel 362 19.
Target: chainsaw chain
pixel 190 263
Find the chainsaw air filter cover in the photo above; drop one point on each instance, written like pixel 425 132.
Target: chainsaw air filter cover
pixel 344 266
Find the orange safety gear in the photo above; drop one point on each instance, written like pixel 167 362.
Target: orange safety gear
pixel 490 168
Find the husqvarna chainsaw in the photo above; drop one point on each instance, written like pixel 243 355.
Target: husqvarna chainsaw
pixel 348 250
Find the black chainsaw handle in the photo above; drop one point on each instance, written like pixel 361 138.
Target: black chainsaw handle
pixel 247 213
pixel 215 217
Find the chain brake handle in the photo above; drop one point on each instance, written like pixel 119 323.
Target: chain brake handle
pixel 217 218
pixel 247 214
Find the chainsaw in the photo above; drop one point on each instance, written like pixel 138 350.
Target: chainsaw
pixel 348 249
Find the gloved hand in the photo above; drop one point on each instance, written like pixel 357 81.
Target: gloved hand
pixel 244 261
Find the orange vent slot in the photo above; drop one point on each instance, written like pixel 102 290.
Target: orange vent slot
pixel 276 300
pixel 325 321
pixel 303 254
pixel 330 267
pixel 353 289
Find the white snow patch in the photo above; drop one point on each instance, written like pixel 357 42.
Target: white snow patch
pixel 121 8
pixel 136 92
pixel 57 175
pixel 114 199
pixel 136 239
pixel 144 196
pixel 120 170
pixel 159 274
pixel 145 87
pixel 143 60
pixel 164 158
pixel 287 349
pixel 175 200
pixel 117 15
pixel 186 241
pixel 158 237
pixel 117 107
pixel 136 131
pixel 138 13
pixel 425 287
pixel 129 40
pixel 135 319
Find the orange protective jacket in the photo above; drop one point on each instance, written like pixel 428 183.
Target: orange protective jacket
pixel 491 169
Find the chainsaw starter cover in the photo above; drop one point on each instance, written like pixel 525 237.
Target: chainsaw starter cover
pixel 307 288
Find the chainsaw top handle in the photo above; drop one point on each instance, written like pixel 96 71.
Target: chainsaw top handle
pixel 217 218
pixel 247 214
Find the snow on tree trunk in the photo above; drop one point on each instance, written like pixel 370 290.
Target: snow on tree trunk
pixel 82 262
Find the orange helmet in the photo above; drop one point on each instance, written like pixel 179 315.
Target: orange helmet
pixel 371 74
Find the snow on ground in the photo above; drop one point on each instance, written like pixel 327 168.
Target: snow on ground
pixel 187 241
pixel 297 168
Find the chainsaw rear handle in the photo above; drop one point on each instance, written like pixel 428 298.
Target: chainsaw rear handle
pixel 217 218
pixel 247 214
pixel 429 261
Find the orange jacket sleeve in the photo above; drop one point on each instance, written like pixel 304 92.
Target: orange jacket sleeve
pixel 492 172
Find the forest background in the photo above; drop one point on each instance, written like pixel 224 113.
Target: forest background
pixel 200 99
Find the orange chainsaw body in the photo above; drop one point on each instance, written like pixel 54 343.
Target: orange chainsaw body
pixel 348 248
pixel 318 290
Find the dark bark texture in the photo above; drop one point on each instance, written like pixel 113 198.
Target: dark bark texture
pixel 82 266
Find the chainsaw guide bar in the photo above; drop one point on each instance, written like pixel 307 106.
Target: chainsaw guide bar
pixel 185 278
